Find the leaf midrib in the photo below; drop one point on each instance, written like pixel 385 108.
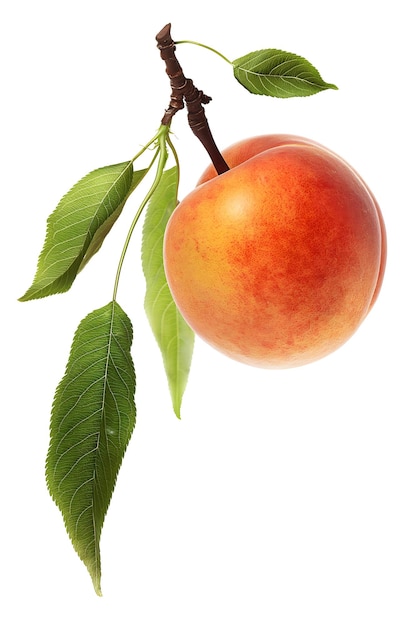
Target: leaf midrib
pixel 93 496
pixel 277 76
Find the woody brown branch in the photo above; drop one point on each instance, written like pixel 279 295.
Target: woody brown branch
pixel 184 90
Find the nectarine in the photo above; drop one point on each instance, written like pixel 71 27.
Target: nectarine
pixel 277 261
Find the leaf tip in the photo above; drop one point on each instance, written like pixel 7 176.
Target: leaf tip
pixel 176 398
pixel 26 296
pixel 97 587
pixel 93 567
pixel 29 294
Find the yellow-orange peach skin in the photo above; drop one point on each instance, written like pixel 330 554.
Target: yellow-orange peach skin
pixel 277 261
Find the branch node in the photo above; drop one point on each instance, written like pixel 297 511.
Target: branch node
pixel 183 89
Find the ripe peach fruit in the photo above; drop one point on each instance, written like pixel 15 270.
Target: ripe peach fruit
pixel 277 261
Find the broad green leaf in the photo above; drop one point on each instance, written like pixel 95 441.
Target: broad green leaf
pixel 102 232
pixel 72 226
pixel 277 73
pixel 93 416
pixel 173 335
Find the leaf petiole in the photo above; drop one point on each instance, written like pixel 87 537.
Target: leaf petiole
pixel 202 45
pixel 161 139
pixel 154 141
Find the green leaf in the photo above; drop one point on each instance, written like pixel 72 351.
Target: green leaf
pixel 73 224
pixel 174 337
pixel 93 416
pixel 102 232
pixel 277 73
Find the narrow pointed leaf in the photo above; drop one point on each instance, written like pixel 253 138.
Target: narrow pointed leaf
pixel 93 416
pixel 72 226
pixel 174 337
pixel 279 74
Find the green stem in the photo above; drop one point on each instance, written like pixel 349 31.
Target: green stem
pixel 162 138
pixel 202 45
pixel 176 159
pixel 148 145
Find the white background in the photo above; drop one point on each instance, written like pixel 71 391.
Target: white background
pixel 283 497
